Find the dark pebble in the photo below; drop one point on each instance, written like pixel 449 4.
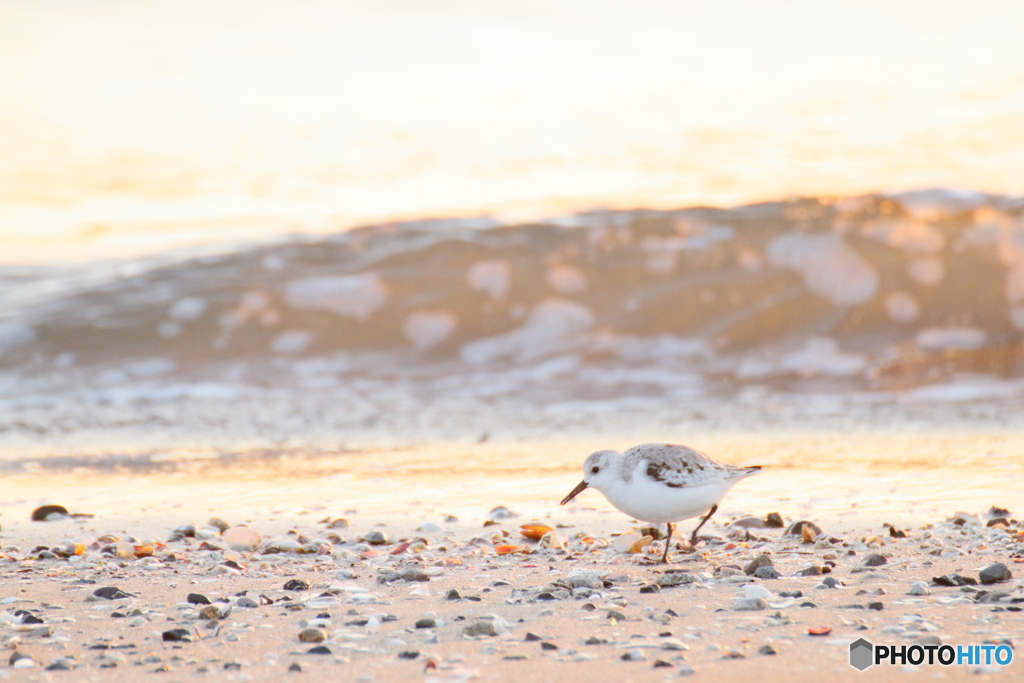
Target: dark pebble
pixel 617 616
pixel 994 573
pixel 650 589
pixel 774 521
pixel 767 650
pixel 661 664
pixel 876 606
pixel 952 580
pixel 793 594
pixel 767 573
pixel 111 593
pixel 532 636
pixel 875 560
pixel 797 528
pixel 426 623
pixel 453 595
pixel 29 618
pixel 177 635
pixel 671 612
pixel 319 650
pixel 548 646
pixel 232 564
pixel 829 582
pixel 117 615
pixel 197 599
pixel 811 571
pixel 59 665
pixel 675 578
pixel 808 604
pixel 894 532
pixel 758 562
pixel 408 654
pixel 232 666
pixel 546 596
pixel 296 585
pixel 41 513
pixel 593 640
pixel 515 658
pixel 295 666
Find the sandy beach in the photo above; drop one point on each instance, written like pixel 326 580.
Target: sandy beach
pixel 429 574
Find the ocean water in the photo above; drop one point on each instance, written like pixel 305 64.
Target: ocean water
pixel 256 239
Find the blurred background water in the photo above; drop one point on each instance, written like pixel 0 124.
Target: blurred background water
pixel 263 224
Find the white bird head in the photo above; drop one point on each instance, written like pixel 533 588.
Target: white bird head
pixel 597 472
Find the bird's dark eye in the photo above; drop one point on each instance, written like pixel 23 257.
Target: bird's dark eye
pixel 595 469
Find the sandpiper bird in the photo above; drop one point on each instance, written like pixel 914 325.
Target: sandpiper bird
pixel 659 482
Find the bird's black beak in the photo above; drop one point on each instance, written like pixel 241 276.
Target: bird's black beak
pixel 575 492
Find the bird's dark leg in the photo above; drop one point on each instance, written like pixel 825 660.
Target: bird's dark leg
pixel 693 538
pixel 668 542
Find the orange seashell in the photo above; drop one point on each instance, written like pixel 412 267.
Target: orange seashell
pixel 730 546
pixel 507 549
pixel 535 531
pixel 820 631
pixel 640 544
pixel 143 550
pixel 400 548
pixel 79 549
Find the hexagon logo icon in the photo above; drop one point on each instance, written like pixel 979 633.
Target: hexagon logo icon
pixel 862 654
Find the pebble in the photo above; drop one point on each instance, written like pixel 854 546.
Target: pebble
pixel 426 623
pixel 633 655
pixel 411 574
pixel 111 593
pixel 750 605
pixel 670 579
pixel 242 538
pixel 994 573
pixel 312 635
pixel 875 560
pixel 767 650
pixel 686 670
pixel 674 644
pixel 953 580
pixel 197 599
pixel 296 585
pixel 319 650
pixel 375 537
pixel 919 588
pixel 484 627
pixel 762 560
pixel 767 573
pixel 757 592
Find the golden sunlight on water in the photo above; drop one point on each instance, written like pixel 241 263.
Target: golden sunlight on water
pixel 129 127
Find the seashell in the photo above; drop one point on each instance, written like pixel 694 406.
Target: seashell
pixel 535 531
pixel 509 549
